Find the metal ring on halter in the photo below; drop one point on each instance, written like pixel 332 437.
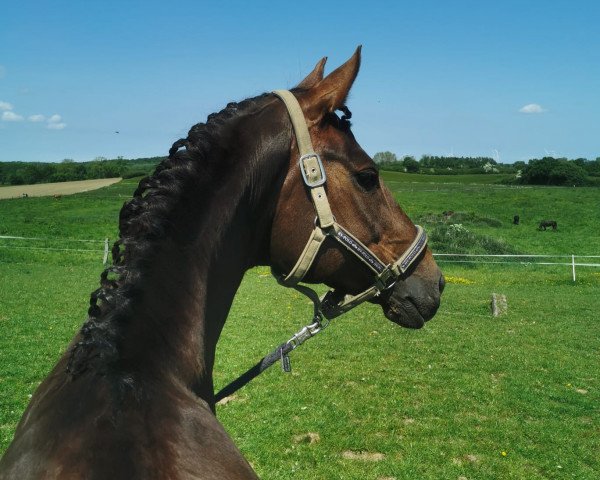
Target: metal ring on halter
pixel 317 220
pixel 390 285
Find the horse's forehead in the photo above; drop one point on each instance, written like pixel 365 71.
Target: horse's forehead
pixel 340 145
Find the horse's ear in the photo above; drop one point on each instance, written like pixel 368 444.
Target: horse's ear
pixel 330 93
pixel 315 76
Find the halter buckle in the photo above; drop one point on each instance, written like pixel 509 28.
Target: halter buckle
pixel 302 163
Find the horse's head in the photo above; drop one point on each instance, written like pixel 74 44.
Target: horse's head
pixel 353 204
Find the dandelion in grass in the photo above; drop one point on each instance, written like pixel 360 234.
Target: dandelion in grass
pixel 458 280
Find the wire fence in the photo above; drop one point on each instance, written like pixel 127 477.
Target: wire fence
pixel 103 249
pixel 522 259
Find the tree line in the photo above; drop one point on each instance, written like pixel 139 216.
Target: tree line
pixel 26 173
pixel 438 164
pixel 543 171
pixel 560 171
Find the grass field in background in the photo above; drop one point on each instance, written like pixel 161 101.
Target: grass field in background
pixel 477 179
pixel 467 396
pixel 576 210
pixel 58 188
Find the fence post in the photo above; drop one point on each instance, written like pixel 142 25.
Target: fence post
pixel 105 251
pixel 573 263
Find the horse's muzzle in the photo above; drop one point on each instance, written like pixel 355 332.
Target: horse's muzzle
pixel 412 301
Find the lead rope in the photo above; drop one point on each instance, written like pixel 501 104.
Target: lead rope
pixel 283 350
pixel 313 174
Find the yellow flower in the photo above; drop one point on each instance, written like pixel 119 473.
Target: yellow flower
pixel 504 454
pixel 458 280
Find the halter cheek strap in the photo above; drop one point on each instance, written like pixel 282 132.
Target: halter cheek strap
pixel 314 177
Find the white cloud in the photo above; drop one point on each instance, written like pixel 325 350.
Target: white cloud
pixel 532 108
pixel 55 122
pixel 9 116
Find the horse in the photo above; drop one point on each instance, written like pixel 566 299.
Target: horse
pixel 133 397
pixel 547 223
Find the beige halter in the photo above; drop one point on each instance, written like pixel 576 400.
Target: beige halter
pixel 313 174
pixel 330 305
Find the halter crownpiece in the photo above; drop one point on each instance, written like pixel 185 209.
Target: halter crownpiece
pixel 313 174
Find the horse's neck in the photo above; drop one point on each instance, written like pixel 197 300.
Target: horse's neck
pixel 188 292
pixel 184 302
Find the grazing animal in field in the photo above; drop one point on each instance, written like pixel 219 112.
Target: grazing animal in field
pixel 132 398
pixel 24 195
pixel 516 220
pixel 547 223
pixel 57 196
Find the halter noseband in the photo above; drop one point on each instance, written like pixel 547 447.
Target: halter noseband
pixel 314 177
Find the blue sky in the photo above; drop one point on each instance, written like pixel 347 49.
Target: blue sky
pixel 466 78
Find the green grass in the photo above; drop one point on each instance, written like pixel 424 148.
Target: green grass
pixel 87 215
pixel 466 385
pixel 437 403
pixel 440 180
pixel 576 210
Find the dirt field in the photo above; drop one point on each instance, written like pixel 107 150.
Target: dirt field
pixel 61 188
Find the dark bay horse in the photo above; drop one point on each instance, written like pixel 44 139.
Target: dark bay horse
pixel 132 398
pixel 547 223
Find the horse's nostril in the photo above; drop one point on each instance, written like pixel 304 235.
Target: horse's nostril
pixel 442 283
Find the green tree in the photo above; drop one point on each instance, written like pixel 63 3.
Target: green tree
pixel 553 171
pixel 567 173
pixel 67 171
pixel 593 167
pixel 37 172
pixel 410 164
pixel 384 157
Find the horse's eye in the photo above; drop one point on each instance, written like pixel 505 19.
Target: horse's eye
pixel 368 179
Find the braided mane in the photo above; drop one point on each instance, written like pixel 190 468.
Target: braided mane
pixel 143 222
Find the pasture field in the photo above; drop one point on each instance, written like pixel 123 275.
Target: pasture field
pixel 58 188
pixel 438 180
pixel 491 208
pixel 468 396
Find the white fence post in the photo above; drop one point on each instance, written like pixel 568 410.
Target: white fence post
pixel 573 263
pixel 105 251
